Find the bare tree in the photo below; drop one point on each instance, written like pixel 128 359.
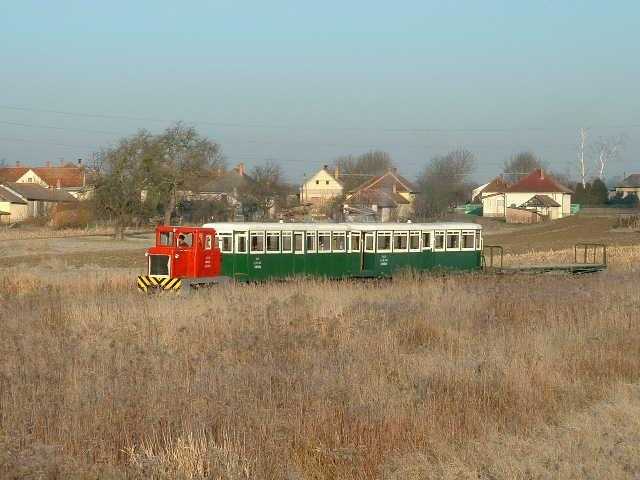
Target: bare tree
pixel 122 178
pixel 444 183
pixel 520 164
pixel 583 170
pixel 607 150
pixel 265 190
pixel 186 158
pixel 355 170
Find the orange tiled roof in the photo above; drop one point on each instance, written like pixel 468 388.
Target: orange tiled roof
pixel 68 177
pixel 538 181
pixel 11 174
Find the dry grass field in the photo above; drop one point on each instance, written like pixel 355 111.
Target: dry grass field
pixel 454 377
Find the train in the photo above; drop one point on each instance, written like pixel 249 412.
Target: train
pixel 191 257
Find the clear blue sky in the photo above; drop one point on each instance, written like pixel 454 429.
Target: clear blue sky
pixel 304 82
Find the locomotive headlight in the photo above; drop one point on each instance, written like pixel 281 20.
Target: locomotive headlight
pixel 176 256
pixel 146 254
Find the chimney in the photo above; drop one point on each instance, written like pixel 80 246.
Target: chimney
pixel 336 173
pixel 326 167
pixel 17 163
pixel 541 174
pixel 58 184
pixel 79 161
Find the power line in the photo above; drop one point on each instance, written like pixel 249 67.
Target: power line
pixel 273 126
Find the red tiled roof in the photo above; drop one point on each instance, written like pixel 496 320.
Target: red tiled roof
pixel 538 182
pixel 11 174
pixel 497 185
pixel 386 182
pixel 67 176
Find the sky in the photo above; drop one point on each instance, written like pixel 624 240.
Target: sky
pixel 302 83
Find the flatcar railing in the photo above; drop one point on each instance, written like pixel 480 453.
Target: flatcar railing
pixel 495 254
pixel 588 253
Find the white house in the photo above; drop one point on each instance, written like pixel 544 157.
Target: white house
pixel 492 197
pixel 321 188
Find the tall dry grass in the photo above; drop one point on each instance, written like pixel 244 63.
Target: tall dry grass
pixel 415 378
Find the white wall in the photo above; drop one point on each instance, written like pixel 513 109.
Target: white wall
pixel 320 188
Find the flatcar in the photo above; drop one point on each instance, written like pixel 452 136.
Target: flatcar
pixel 218 252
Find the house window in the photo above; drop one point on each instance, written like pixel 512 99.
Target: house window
pixel 400 241
pixel 426 240
pixel 324 241
pixel 317 182
pixel 384 242
pixel 273 242
pixel 355 242
pixel 225 243
pixel 257 242
pixel 286 242
pixel 468 240
pixel 453 240
pixel 311 242
pixel 327 182
pixel 438 241
pixel 298 240
pixel 414 241
pixel 338 241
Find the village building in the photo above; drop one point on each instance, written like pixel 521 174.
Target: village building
pixel 67 177
pixel 629 186
pixel 21 201
pixel 321 188
pixel 384 198
pixel 534 198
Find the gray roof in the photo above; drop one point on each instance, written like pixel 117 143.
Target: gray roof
pixel 632 181
pixel 9 196
pixel 32 191
pixel 540 201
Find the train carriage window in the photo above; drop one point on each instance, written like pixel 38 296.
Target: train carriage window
pixel 338 241
pixel 355 242
pixel 369 242
pixel 438 241
pixel 426 240
pixel 257 242
pixel 468 240
pixel 225 242
pixel 286 242
pixel 453 240
pixel 273 242
pixel 311 242
pixel 324 241
pixel 414 241
pixel 241 243
pixel 208 242
pixel 400 241
pixel 384 242
pixel 165 239
pixel 298 241
pixel 478 240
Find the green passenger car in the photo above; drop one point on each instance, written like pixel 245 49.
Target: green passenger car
pixel 260 251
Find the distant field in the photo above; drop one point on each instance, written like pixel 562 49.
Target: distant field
pixel 454 377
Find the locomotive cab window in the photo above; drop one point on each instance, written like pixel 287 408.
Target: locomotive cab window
pixel 185 240
pixel 453 240
pixel 400 241
pixel 324 241
pixel 208 242
pixel 468 240
pixel 257 242
pixel 438 241
pixel 384 242
pixel 414 241
pixel 273 242
pixel 165 239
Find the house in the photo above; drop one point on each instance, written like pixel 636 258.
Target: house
pixel 538 193
pixel 13 207
pixel 228 186
pixel 630 185
pixel 68 177
pixel 389 196
pixel 321 188
pixel 491 195
pixel 27 200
